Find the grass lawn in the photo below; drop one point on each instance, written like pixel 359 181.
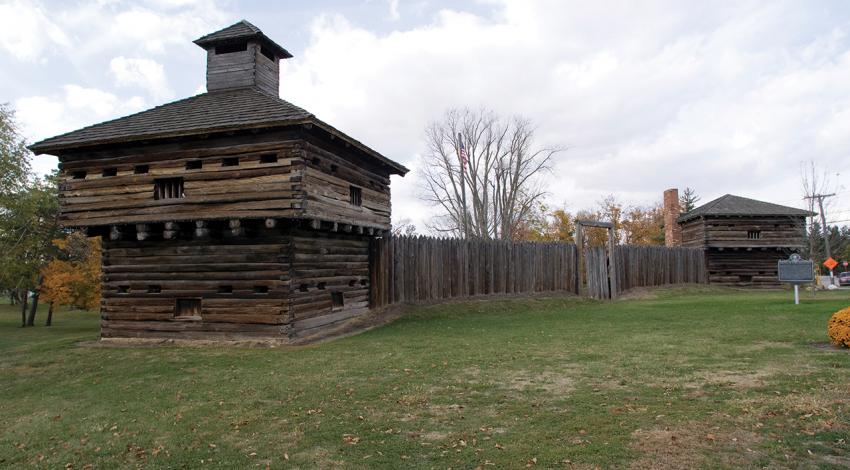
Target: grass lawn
pixel 677 378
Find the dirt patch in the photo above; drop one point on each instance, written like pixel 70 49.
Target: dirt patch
pixel 741 380
pixel 548 381
pixel 690 446
pixel 435 436
pixel 319 457
pixel 826 346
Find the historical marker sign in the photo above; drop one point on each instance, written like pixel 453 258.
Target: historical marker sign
pixel 796 270
pixel 830 263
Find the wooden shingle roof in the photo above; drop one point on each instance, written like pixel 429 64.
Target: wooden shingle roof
pixel 730 205
pixel 239 32
pixel 224 110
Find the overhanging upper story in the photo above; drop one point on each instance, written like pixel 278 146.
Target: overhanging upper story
pixel 734 222
pixel 235 152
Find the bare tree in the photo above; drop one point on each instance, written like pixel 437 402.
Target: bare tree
pixel 483 172
pixel 817 189
pixel 404 227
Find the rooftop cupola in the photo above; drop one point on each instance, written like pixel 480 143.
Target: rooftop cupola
pixel 240 56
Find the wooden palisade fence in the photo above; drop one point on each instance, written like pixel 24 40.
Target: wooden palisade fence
pixel 423 269
pixel 644 266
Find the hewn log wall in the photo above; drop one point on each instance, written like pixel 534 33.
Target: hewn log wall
pixel 284 179
pixel 745 268
pixel 240 181
pixel 323 265
pixel 727 232
pixel 243 285
pixel 328 179
pixel 744 232
pixel 693 233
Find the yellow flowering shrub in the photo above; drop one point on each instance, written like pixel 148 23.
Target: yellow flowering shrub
pixel 839 328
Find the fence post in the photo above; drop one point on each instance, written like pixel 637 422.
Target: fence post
pixel 612 264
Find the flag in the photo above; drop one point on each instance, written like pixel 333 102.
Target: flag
pixel 461 152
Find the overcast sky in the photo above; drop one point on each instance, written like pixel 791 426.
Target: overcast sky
pixel 723 97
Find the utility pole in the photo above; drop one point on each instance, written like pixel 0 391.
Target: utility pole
pixel 820 198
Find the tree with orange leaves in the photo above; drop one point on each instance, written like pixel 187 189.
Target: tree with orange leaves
pixel 73 278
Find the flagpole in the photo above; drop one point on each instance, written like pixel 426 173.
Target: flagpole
pixel 464 227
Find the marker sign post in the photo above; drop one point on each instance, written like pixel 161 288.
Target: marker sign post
pixel 796 270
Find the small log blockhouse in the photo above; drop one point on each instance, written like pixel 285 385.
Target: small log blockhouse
pixel 743 238
pixel 232 214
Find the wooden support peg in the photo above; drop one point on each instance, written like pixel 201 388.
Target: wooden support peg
pixel 370 230
pixel 142 232
pixel 172 229
pixel 359 229
pixel 234 223
pixel 201 230
pixel 315 224
pixel 115 233
pixel 345 228
pixel 271 223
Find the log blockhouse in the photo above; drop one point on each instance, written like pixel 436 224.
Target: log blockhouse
pixel 232 214
pixel 743 238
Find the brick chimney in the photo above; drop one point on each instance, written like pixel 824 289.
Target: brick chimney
pixel 672 230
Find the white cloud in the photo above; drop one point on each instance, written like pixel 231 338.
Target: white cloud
pixel 26 32
pixel 647 96
pixel 727 97
pixel 75 107
pixel 147 74
pixel 394 13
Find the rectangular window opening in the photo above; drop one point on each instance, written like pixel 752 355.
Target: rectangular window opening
pixel 303 288
pixel 154 289
pixel 322 285
pixel 169 188
pixel 231 48
pixel 233 161
pixel 107 172
pixel 188 308
pixel 355 195
pixel 78 175
pixel 753 234
pixel 141 169
pixel 337 300
pixel 194 165
pixel 261 289
pixel 267 52
pixel 268 158
pixel 123 289
pixel 225 289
